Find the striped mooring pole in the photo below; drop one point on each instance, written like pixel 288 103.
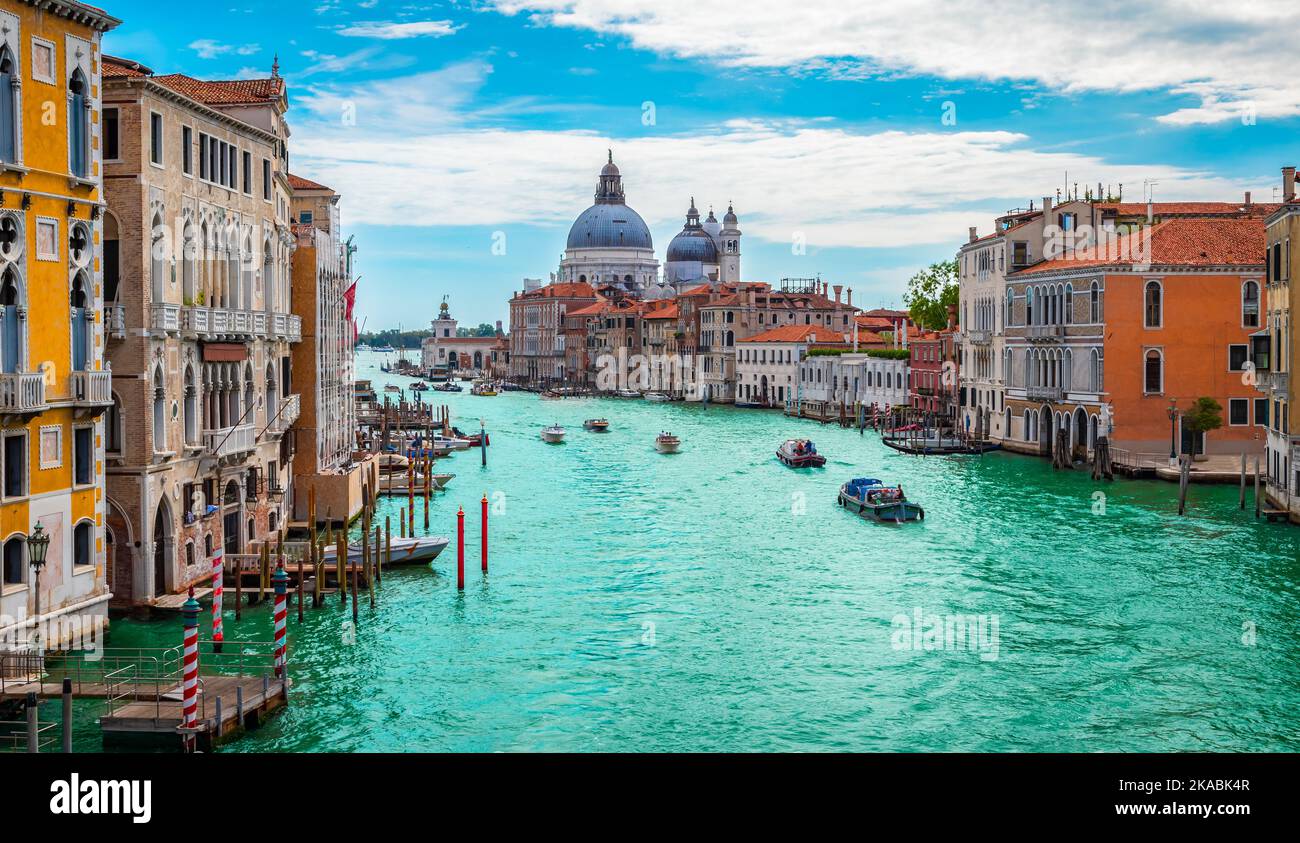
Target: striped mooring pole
pixel 217 587
pixel 460 549
pixel 281 582
pixel 190 668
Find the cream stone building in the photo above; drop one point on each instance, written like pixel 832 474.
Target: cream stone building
pixel 197 292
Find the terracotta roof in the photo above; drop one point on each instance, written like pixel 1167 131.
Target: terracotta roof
pixel 225 91
pixel 797 333
pixel 1181 241
pixel 701 290
pixel 593 309
pixel 886 312
pixel 117 68
pixel 300 183
pixel 569 289
pixel 669 312
pixel 1189 209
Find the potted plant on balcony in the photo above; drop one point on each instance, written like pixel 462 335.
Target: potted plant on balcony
pixel 1204 416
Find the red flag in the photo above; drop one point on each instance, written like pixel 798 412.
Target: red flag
pixel 349 299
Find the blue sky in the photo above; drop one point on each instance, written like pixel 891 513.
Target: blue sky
pixel 465 137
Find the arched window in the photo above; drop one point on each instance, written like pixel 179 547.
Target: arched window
pixel 113 427
pixel 1250 304
pixel 1069 304
pixel 1094 303
pixel 1007 317
pixel 189 268
pixel 191 402
pixel 10 329
pixel 8 107
pixel 1029 305
pixel 1153 380
pixel 157 259
pixel 159 412
pixel 15 560
pixel 78 125
pixel 1153 311
pixel 1095 374
pixel 82 322
pixel 83 543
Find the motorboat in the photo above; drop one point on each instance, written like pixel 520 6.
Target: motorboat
pixel 657 396
pixel 800 453
pixel 406 551
pixel 447 386
pixel 871 498
pixel 392 388
pixel 553 434
pixel 484 388
pixel 596 425
pixel 419 386
pixel 475 440
pixel 666 443
pixel 628 393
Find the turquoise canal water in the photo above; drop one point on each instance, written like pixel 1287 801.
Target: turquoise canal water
pixel 716 600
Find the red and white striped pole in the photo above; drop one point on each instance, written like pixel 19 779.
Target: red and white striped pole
pixel 190 668
pixel 281 582
pixel 460 548
pixel 217 588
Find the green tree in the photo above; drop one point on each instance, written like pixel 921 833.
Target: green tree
pixel 930 292
pixel 1205 415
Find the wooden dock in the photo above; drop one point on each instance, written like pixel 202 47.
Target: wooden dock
pixel 228 706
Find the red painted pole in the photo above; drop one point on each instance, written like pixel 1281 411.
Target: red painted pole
pixel 190 668
pixel 484 506
pixel 460 548
pixel 217 587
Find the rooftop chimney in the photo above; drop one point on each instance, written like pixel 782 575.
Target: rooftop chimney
pixel 850 296
pixel 839 288
pixel 1247 198
pixel 1047 207
pixel 952 316
pixel 1288 184
pixel 973 235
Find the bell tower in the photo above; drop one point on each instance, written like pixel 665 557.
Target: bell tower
pixel 729 248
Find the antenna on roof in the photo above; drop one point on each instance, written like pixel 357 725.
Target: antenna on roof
pixel 275 65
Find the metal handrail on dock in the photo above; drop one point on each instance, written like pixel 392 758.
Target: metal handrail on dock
pixel 14 736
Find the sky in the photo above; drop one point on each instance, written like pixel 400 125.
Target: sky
pixel 858 141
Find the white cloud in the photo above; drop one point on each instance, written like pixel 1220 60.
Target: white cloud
pixel 1227 57
pixel 835 186
pixel 388 30
pixel 210 49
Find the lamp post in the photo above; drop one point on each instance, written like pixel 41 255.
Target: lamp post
pixel 38 543
pixel 1173 425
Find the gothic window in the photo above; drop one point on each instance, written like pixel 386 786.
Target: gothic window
pixel 8 107
pixel 78 125
pixel 159 412
pixel 1094 303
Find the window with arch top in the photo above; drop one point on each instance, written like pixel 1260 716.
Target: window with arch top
pixel 1153 305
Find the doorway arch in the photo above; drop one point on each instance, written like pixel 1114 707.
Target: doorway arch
pixel 162 548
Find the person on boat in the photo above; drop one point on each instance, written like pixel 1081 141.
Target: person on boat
pixel 798 448
pixel 812 449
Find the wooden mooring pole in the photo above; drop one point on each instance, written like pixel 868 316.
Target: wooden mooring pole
pixel 1258 503
pixel 1241 497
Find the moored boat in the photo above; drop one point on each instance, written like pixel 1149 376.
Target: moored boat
pixel 800 453
pixel 419 386
pixel 392 388
pixel 666 443
pixel 657 396
pixel 870 498
pixel 628 393
pixel 484 388
pixel 447 386
pixel 405 551
pixel 596 425
pixel 553 434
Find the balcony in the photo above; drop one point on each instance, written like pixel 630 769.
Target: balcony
pixel 22 392
pixel 92 389
pixel 1044 333
pixel 979 337
pixel 165 318
pixel 1043 393
pixel 116 314
pixel 229 441
pixel 220 323
pixel 1275 384
pixel 286 413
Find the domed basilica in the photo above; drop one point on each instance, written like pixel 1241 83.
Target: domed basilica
pixel 610 245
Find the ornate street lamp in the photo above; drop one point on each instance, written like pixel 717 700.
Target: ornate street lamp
pixel 38 543
pixel 1173 424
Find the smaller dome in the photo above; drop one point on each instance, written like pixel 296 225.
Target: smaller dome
pixel 729 219
pixel 692 244
pixel 711 218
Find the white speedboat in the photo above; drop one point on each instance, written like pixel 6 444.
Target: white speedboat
pixel 666 443
pixel 656 396
pixel 405 551
pixel 553 434
pixel 596 425
pixel 628 393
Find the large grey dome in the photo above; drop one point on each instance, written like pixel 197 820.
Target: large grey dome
pixel 693 244
pixel 609 226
